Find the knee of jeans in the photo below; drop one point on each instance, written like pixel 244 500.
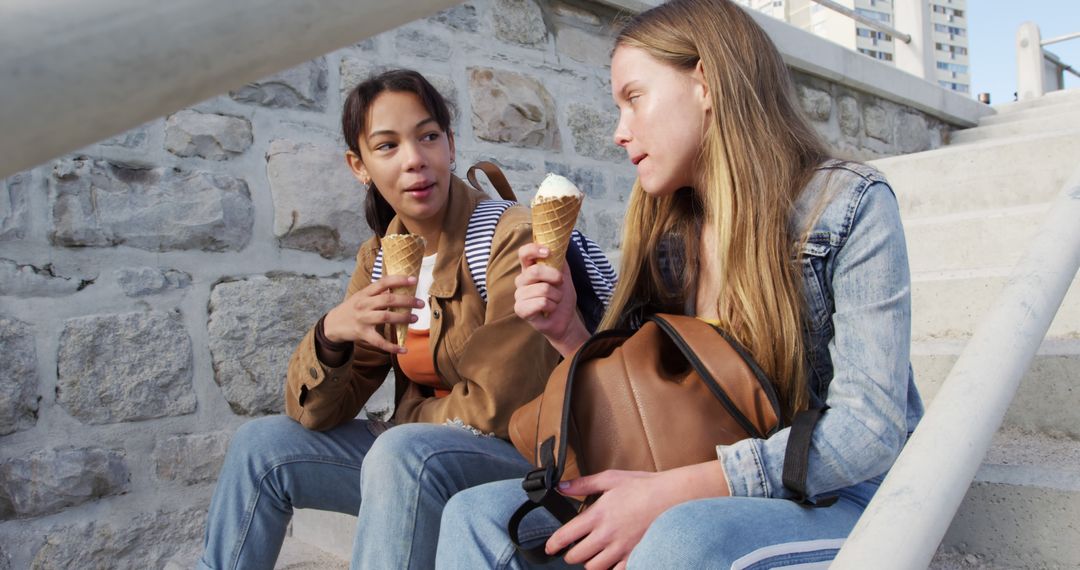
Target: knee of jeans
pixel 400 449
pixel 673 534
pixel 257 440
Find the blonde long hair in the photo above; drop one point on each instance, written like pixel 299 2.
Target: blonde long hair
pixel 758 153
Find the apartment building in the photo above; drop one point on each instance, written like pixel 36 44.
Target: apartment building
pixel 948 31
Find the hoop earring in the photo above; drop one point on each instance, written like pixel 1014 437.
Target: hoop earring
pixel 453 164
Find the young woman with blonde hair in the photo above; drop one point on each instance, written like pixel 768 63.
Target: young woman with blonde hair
pixel 738 217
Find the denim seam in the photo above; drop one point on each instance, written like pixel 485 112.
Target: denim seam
pixel 249 511
pixel 762 478
pixel 420 487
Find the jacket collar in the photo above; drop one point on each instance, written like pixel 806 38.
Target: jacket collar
pixel 460 205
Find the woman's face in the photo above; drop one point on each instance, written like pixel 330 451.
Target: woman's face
pixel 662 118
pixel 407 155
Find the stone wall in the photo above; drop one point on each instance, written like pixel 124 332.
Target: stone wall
pixel 153 285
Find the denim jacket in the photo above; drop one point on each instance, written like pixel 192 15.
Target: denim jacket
pixel 858 292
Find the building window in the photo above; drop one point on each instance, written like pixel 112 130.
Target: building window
pixel 953 67
pixel 874 15
pixel 951 30
pixel 873 34
pixel 884 56
pixel 956 50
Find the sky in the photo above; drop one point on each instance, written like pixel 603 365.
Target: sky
pixel 992 26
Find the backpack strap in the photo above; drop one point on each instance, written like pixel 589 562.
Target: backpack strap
pixel 495 176
pixel 478 236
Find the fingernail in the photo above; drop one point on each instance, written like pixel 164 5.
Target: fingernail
pixel 544 251
pixel 412 280
pixel 564 484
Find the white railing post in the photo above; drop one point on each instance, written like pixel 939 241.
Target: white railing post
pixel 1030 70
pixel 907 518
pixel 73 72
pixel 916 56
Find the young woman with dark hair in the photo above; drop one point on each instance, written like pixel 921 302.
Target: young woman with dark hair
pixel 467 363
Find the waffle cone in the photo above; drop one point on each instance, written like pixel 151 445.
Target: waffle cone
pixel 402 255
pixel 552 223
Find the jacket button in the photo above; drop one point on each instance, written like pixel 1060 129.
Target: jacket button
pixel 435 313
pixel 314 373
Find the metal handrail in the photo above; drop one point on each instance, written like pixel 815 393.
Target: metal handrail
pixel 74 72
pixel 1054 59
pixel 1066 37
pixel 869 22
pixel 924 488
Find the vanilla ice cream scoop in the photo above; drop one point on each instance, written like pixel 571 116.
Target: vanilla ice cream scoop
pixel 554 213
pixel 555 186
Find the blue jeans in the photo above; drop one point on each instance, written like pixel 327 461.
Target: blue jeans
pixel 405 474
pixel 728 532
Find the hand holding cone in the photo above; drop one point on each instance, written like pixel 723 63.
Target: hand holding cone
pixel 402 255
pixel 554 213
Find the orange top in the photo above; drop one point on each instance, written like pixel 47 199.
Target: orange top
pixel 418 364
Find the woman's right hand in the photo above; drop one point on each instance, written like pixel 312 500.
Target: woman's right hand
pixel 357 318
pixel 546 299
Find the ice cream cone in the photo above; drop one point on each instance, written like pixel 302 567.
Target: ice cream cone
pixel 553 221
pixel 402 255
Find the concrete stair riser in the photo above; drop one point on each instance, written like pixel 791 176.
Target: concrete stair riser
pixel 972 240
pixel 1052 99
pixel 952 308
pixel 1059 109
pixel 1023 508
pixel 1016 128
pixel 982 176
pixel 1043 402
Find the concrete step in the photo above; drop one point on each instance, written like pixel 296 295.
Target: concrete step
pixel 298 555
pixel 951 304
pixel 1051 99
pixel 982 175
pixel 1034 125
pixel 1064 107
pixel 1023 508
pixel 972 240
pixel 326 531
pixel 1047 399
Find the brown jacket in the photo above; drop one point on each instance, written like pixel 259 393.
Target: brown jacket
pixel 493 361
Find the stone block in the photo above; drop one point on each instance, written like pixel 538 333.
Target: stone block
pixel 133 139
pixel 51 480
pixel 878 123
pixel 255 324
pixel 145 540
pixel 592 131
pixel 301 87
pixel 571 12
pixel 140 281
pixel 591 181
pixel 98 203
pixel 191 459
pixel 817 104
pixel 513 108
pixel 607 231
pixel 32 281
pixel 353 70
pixel 912 133
pixel 125 367
pixel 18 376
pixel 14 206
pixel 462 18
pixel 414 42
pixel 520 22
pixel 206 135
pixel 583 46
pixel 318 204
pixel 849 115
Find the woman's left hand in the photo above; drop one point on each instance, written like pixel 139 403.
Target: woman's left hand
pixel 611 527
